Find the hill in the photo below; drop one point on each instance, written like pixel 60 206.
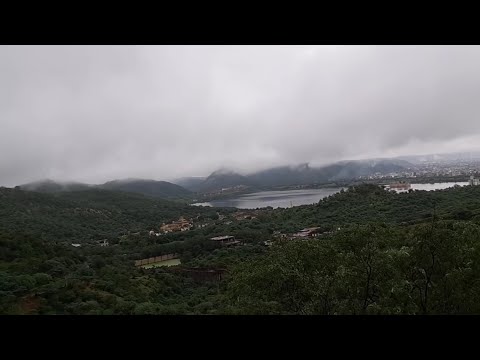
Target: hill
pixel 190 183
pixel 152 188
pixel 222 179
pixel 370 204
pixel 348 170
pixel 302 174
pixel 382 253
pixel 82 216
pixel 50 186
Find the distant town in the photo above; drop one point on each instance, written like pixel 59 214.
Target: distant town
pixel 445 168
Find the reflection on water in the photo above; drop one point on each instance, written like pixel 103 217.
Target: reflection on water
pixel 275 199
pixel 437 186
pixel 288 198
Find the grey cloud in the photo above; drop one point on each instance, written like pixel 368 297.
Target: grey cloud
pixel 93 113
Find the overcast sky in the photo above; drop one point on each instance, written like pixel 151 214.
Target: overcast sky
pixel 95 113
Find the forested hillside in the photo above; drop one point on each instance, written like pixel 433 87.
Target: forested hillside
pixel 369 203
pixel 81 216
pixel 297 175
pixel 431 268
pixel 380 253
pixel 150 188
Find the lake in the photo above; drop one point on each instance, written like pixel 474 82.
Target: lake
pixel 433 187
pixel 437 186
pixel 275 199
pixel 288 198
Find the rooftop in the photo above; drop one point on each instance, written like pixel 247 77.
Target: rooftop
pixel 309 229
pixel 220 238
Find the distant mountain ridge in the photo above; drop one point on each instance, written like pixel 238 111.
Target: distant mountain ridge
pixel 301 174
pixel 184 188
pixel 50 186
pixel 219 180
pixel 151 188
pixel 190 183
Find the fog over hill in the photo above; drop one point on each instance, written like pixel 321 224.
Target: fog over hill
pixel 151 188
pixel 296 175
pixel 227 178
pixel 96 113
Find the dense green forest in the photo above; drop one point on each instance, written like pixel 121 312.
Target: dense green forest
pixel 371 269
pixel 381 253
pixel 82 216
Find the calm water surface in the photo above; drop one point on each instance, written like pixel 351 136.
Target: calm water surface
pixel 274 199
pixel 288 198
pixel 437 186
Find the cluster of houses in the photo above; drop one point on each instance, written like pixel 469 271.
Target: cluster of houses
pixel 398 186
pixel 181 224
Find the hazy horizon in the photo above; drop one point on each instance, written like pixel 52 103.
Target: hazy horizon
pixel 172 180
pixel 97 113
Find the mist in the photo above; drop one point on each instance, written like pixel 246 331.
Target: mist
pixel 96 113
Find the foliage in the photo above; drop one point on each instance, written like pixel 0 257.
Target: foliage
pixel 371 269
pixel 382 253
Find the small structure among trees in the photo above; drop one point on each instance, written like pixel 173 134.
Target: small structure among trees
pixel 226 240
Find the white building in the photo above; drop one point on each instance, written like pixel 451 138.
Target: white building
pixel 473 181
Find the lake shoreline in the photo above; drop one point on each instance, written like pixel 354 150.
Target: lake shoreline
pixel 299 197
